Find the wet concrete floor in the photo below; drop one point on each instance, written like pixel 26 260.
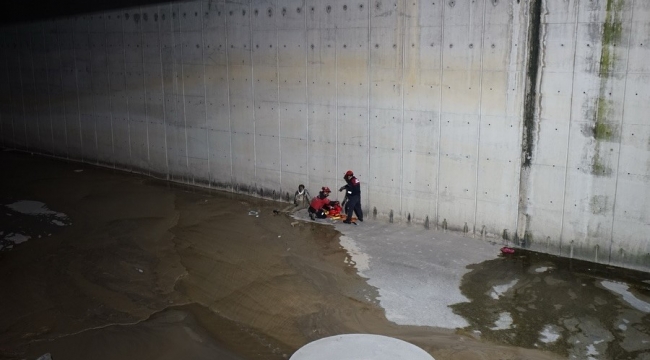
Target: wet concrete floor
pixel 102 264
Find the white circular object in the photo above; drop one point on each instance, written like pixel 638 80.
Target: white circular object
pixel 360 347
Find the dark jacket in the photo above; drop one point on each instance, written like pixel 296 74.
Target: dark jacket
pixel 353 187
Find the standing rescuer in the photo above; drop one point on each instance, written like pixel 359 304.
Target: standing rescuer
pixel 353 193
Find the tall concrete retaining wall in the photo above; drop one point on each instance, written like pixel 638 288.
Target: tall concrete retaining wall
pixel 521 119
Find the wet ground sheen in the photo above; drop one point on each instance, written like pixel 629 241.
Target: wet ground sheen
pixel 141 268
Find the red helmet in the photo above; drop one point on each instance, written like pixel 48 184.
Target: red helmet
pixel 325 189
pixel 349 173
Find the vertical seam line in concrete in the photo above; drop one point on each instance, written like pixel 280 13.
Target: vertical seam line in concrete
pixel 3 46
pixel 109 92
pixel 3 38
pixel 76 82
pixel 174 84
pixel 520 139
pixel 13 124
pixel 403 85
pixel 205 94
pixel 36 117
pixel 568 144
pixel 162 84
pixel 3 109
pixel 90 65
pixel 304 6
pixel 22 92
pixel 368 74
pixel 232 176
pixel 126 94
pixel 620 144
pixel 144 89
pixel 250 51
pixel 478 125
pixel 442 41
pixel 531 108
pixel 47 82
pixel 10 105
pixel 187 154
pixel 336 95
pixel 65 117
pixel 12 116
pixel 277 69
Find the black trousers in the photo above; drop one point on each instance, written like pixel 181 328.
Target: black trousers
pixel 354 206
pixel 318 213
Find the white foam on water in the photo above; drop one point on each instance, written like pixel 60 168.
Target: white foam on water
pixel 504 322
pixel 30 207
pixel 37 208
pixel 499 290
pixel 361 259
pixel 549 334
pixel 542 269
pixel 17 238
pixel 591 350
pixel 622 289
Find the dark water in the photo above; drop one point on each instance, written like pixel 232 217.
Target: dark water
pixel 126 268
pixel 577 309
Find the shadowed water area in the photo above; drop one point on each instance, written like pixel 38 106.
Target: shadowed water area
pixel 574 308
pixel 103 264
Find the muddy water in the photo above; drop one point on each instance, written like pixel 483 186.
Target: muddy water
pixel 574 308
pixel 144 269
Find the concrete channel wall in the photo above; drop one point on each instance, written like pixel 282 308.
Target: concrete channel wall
pixel 519 119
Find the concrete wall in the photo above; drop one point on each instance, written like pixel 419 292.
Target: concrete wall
pixel 509 118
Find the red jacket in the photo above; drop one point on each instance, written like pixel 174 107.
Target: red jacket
pixel 317 202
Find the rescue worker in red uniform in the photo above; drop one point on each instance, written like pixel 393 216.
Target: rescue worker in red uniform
pixel 320 203
pixel 353 194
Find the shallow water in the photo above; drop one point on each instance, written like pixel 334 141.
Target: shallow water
pixel 147 269
pixel 573 308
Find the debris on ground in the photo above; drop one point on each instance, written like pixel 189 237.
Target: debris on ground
pixel 507 250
